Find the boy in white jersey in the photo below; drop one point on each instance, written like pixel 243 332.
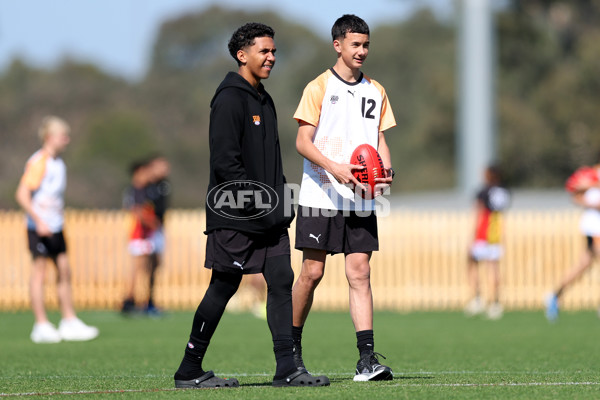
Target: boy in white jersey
pixel 40 194
pixel 340 110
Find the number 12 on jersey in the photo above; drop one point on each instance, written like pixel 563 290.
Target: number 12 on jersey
pixel 371 104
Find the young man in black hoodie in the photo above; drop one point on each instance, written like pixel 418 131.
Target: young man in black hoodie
pixel 246 215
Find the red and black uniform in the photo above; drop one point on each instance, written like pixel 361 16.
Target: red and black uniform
pixel 143 220
pixel 491 202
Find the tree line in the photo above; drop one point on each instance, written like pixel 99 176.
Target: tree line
pixel 546 87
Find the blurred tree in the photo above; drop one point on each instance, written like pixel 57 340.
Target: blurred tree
pixel 73 91
pixel 114 140
pixel 415 62
pixel 547 89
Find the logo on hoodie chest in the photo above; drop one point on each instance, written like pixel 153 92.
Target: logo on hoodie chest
pixel 256 119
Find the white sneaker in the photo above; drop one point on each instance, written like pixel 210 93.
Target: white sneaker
pixel 474 307
pixel 75 329
pixel 495 311
pixel 44 333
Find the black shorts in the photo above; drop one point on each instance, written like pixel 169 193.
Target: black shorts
pixel 233 251
pixel 335 232
pixel 589 241
pixel 46 246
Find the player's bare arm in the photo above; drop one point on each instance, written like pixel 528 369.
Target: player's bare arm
pixel 384 152
pixel 23 197
pixel 307 149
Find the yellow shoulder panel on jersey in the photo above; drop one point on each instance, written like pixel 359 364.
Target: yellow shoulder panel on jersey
pixel 34 171
pixel 309 109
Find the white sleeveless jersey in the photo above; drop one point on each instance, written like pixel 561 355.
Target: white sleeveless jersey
pixel 46 178
pixel 590 219
pixel 346 115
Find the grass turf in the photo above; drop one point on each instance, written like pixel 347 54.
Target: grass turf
pixel 433 355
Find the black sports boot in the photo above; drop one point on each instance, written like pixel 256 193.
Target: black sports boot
pixel 368 368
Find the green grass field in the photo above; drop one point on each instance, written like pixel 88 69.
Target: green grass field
pixel 433 355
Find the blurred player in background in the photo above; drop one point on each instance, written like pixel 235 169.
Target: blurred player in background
pixel 158 191
pixel 492 200
pixel 41 195
pixel 585 192
pixel 144 223
pixel 340 110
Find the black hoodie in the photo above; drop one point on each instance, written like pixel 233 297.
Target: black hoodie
pixel 244 146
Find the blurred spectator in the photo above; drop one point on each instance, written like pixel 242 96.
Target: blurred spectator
pixel 41 195
pixel 158 191
pixel 143 227
pixel 491 201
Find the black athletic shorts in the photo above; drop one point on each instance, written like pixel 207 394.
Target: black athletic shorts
pixel 233 251
pixel 46 246
pixel 335 232
pixel 589 240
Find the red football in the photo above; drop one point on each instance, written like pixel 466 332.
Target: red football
pixel 367 156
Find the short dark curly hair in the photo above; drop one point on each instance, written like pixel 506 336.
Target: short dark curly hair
pixel 245 35
pixel 348 23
